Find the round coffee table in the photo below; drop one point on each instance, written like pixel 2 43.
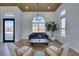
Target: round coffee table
pixel 40 53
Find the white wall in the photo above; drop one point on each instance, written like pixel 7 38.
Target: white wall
pixel 0 26
pixel 27 18
pixel 72 24
pixel 17 16
pixel 23 20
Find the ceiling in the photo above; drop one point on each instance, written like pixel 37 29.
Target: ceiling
pixel 34 7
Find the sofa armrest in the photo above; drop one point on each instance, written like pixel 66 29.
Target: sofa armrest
pixel 28 52
pixel 53 48
pixel 50 52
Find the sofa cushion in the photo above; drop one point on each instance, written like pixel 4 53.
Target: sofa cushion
pixel 50 52
pixel 53 48
pixel 28 52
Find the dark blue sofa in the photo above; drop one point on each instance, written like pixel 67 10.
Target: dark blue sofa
pixel 38 36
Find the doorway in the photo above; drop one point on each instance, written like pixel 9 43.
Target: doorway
pixel 8 30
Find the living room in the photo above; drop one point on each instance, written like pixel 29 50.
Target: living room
pixel 65 15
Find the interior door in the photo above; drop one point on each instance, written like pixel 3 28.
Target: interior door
pixel 8 30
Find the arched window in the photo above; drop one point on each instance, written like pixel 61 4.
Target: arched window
pixel 38 24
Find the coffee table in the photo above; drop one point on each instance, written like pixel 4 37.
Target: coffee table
pixel 39 53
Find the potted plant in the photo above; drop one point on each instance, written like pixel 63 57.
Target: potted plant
pixel 51 27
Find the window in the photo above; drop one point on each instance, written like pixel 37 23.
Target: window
pixel 63 23
pixel 38 24
pixel 63 13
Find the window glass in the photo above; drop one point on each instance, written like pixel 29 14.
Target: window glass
pixel 63 13
pixel 38 24
pixel 63 23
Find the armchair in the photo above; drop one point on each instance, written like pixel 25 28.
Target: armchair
pixel 61 51
pixel 23 51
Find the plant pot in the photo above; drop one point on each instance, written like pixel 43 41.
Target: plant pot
pixel 52 38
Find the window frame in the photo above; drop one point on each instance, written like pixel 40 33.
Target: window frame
pixel 8 19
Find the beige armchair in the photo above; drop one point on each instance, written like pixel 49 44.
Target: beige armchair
pixel 54 51
pixel 22 51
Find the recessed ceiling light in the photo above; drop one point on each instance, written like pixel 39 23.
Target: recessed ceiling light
pixel 26 7
pixel 48 7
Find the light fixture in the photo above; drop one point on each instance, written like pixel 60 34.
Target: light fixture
pixel 48 7
pixel 26 7
pixel 9 15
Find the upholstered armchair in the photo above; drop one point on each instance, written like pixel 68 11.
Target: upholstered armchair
pixel 61 51
pixel 19 51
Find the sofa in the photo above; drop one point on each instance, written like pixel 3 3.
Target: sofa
pixel 19 51
pixel 61 51
pixel 38 38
